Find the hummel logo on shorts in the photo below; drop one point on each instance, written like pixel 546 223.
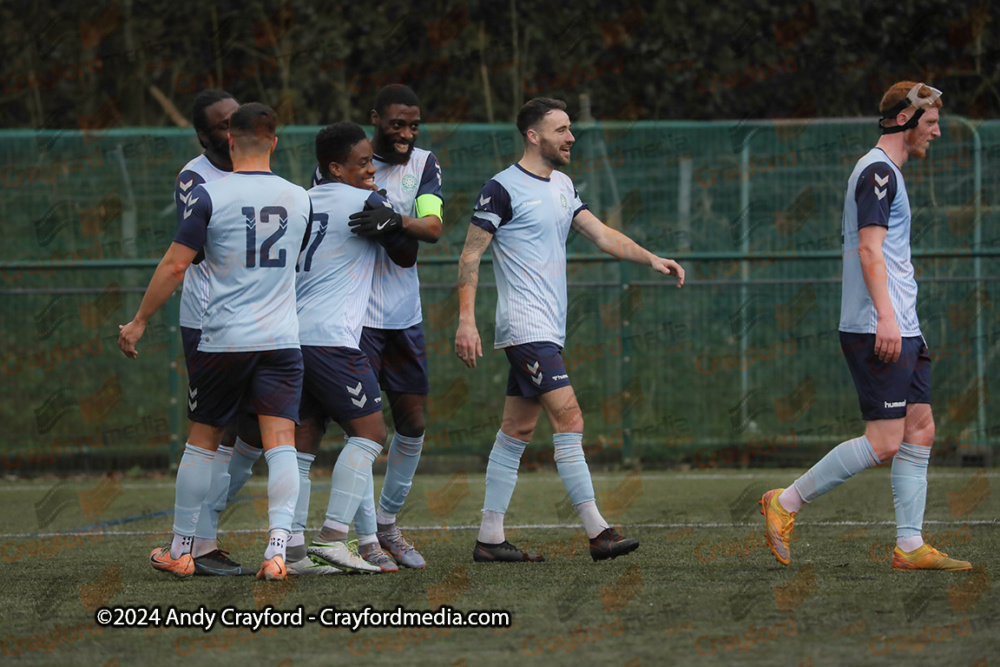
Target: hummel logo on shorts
pixel 897 404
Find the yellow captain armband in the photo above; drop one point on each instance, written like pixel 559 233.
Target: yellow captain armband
pixel 429 205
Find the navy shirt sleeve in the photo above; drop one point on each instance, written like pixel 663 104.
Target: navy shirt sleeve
pixel 430 182
pixel 578 203
pixel 193 229
pixel 492 210
pixel 375 200
pixel 186 182
pixel 874 193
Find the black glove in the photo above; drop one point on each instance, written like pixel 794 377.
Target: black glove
pixel 375 221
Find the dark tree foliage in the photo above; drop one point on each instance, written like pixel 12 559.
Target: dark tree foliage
pixel 124 63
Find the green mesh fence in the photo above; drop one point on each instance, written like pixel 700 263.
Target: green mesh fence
pixel 741 366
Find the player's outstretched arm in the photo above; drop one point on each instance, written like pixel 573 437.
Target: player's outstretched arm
pixel 168 275
pixel 468 345
pixel 888 341
pixel 618 245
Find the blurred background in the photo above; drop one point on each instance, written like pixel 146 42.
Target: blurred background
pixel 721 138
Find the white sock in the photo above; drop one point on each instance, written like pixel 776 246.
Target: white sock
pixel 593 522
pixel 181 545
pixel 367 539
pixel 491 529
pixel 276 545
pixel 790 499
pixel 383 518
pixel 296 540
pixel 911 543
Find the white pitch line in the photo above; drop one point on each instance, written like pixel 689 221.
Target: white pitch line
pixel 533 526
pixel 479 478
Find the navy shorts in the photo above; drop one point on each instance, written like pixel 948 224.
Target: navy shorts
pixel 271 380
pixel 399 357
pixel 339 385
pixel 885 389
pixel 189 340
pixel 535 369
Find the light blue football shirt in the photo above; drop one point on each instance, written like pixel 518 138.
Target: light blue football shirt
pixel 395 299
pixel 395 294
pixel 529 218
pixel 335 274
pixel 194 294
pixel 876 195
pixel 251 226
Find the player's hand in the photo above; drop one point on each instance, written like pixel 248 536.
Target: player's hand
pixel 888 341
pixel 129 334
pixel 669 267
pixel 468 346
pixel 375 221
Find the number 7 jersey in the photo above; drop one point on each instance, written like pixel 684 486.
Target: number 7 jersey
pixel 251 226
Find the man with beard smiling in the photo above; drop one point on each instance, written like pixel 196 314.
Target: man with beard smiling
pixel 234 458
pixel 393 335
pixel 525 212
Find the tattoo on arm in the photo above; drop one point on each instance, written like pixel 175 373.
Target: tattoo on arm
pixel 468 272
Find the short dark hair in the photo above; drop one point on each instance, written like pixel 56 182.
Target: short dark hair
pixel 254 119
pixel 395 93
pixel 202 101
pixel 534 111
pixel 334 143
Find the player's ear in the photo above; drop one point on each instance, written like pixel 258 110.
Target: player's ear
pixel 375 118
pixel 274 143
pixel 229 140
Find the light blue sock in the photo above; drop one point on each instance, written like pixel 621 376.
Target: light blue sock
pixel 241 466
pixel 215 502
pixel 501 472
pixel 572 467
pixel 364 518
pixel 404 454
pixel 194 480
pixel 840 464
pixel 301 517
pixel 909 488
pixel 282 487
pixel 350 479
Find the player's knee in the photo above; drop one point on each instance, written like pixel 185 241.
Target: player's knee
pixel 378 433
pixel 522 432
pixel 921 433
pixel 885 450
pixel 411 425
pixel 230 434
pixel 570 421
pixel 308 435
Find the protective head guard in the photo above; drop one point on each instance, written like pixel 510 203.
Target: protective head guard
pixel 912 99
